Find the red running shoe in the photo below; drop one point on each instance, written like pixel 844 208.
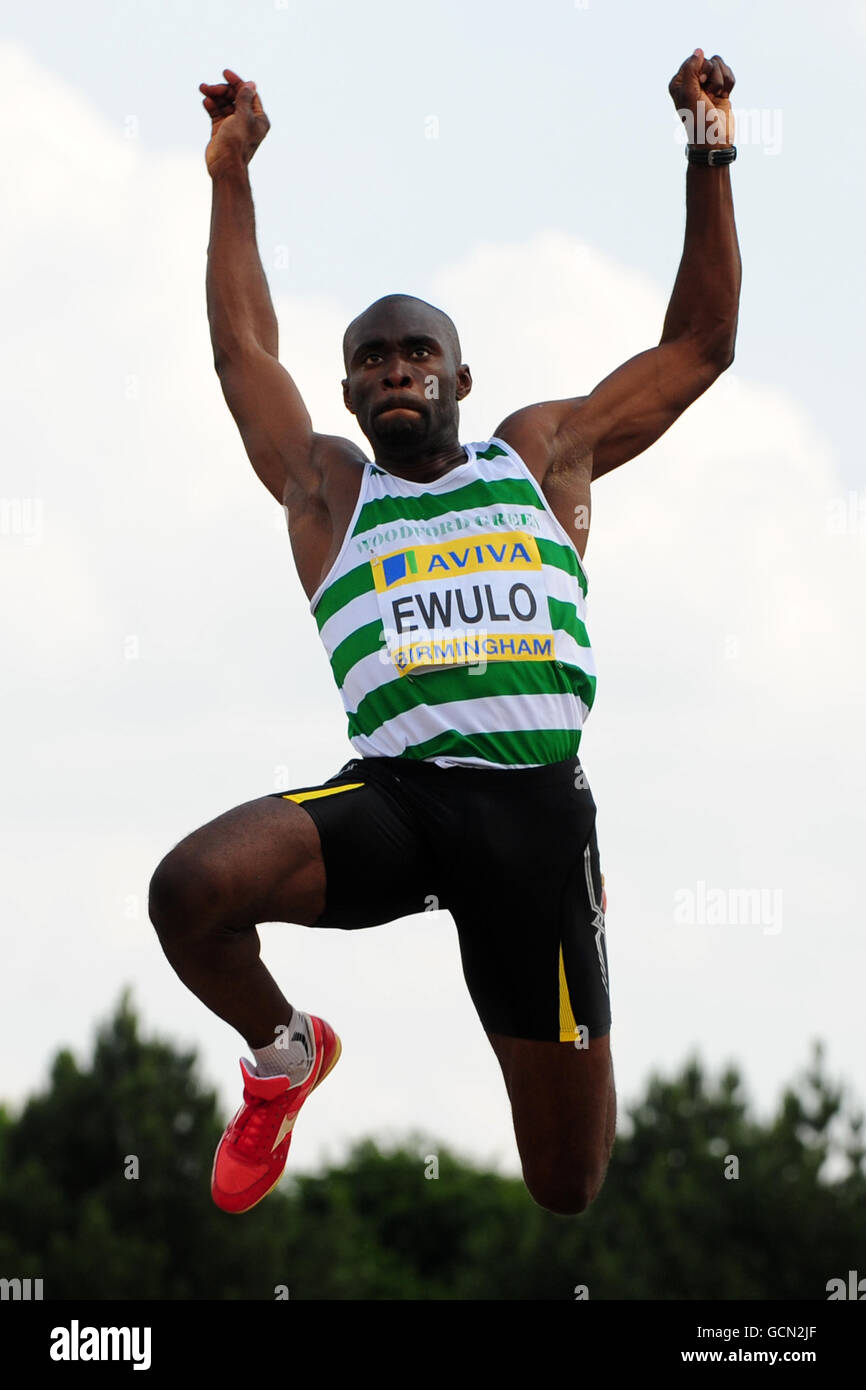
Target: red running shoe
pixel 252 1153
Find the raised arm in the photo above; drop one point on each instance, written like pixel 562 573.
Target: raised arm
pixel 264 400
pixel 631 408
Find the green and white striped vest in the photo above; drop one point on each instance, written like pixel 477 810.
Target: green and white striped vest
pixel 454 618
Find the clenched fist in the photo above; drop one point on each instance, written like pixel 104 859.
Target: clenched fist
pixel 239 124
pixel 701 92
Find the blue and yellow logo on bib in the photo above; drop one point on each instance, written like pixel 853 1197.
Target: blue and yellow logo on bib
pixel 397 567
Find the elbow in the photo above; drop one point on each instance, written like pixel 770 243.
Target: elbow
pixel 714 340
pixel 720 353
pixel 223 357
pixel 724 344
pixel 219 354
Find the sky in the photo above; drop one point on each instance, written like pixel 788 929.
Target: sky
pixel 521 167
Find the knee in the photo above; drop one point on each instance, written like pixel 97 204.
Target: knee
pixel 184 898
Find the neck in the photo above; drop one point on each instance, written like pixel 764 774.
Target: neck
pixel 423 467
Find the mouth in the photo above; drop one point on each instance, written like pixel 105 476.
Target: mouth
pixel 396 408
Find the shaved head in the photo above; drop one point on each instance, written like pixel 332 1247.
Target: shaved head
pixel 444 325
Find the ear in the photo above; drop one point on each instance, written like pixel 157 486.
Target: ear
pixel 347 399
pixel 464 381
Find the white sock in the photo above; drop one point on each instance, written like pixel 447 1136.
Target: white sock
pixel 292 1054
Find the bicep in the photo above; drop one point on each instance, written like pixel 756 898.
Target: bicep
pixel 272 419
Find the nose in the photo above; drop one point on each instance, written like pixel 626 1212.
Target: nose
pixel 395 373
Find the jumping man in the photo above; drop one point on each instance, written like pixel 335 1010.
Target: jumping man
pixel 447 583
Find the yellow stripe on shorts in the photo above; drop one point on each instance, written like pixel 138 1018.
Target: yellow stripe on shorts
pixel 320 791
pixel 567 1024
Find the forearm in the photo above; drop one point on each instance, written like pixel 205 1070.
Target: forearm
pixel 239 307
pixel 706 293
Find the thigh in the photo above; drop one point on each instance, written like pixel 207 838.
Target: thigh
pixel 376 861
pixel 258 862
pixel 339 853
pixel 531 924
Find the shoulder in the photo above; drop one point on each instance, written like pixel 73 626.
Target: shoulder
pixel 337 466
pixel 333 453
pixel 338 463
pixel 546 435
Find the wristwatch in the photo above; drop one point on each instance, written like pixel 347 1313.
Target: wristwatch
pixel 711 154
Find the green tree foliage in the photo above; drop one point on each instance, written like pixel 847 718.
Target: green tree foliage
pixel 69 1214
pixel 672 1221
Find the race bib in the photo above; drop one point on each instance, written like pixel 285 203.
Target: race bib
pixel 464 603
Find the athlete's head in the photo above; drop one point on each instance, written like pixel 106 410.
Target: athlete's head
pixel 404 352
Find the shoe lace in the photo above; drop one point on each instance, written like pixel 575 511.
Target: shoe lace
pixel 257 1124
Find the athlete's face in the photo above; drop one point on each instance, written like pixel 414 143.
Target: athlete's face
pixel 404 381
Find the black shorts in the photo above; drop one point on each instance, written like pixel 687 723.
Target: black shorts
pixel 511 854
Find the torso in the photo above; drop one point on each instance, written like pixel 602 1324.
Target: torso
pixel 454 613
pixel 317 526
